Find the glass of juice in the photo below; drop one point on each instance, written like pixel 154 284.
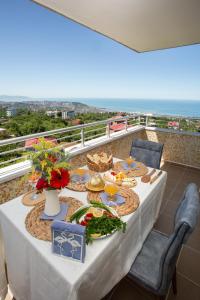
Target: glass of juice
pixel 33 181
pixel 111 190
pixel 130 160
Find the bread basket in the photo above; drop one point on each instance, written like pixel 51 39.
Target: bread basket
pixel 99 162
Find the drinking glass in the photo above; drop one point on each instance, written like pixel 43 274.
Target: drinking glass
pixel 111 190
pixel 130 160
pixel 33 181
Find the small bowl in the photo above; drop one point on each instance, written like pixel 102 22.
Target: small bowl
pixel 94 188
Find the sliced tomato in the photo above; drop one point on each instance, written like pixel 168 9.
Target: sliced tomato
pixel 83 223
pixel 90 215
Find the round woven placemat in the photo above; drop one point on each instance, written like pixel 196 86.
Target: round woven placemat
pixel 140 169
pixel 131 201
pixel 26 200
pixel 78 186
pixel 41 229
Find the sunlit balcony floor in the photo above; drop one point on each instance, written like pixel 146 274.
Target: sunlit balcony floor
pixel 188 269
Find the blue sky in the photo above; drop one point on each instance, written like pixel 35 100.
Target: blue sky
pixel 43 54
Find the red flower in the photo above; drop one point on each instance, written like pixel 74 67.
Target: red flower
pixel 59 179
pixel 52 158
pixel 42 184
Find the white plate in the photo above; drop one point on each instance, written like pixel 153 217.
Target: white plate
pixel 90 205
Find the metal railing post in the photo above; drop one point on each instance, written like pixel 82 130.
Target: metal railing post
pixel 108 129
pixel 179 124
pixel 139 119
pixel 126 124
pixel 147 119
pixel 82 137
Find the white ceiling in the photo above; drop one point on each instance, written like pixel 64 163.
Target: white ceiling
pixel 142 25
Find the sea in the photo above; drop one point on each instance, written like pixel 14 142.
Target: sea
pixel 190 108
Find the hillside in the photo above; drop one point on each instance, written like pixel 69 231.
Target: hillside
pixel 37 104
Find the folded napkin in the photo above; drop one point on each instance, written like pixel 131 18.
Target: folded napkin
pixel 68 240
pixel 60 216
pixel 119 200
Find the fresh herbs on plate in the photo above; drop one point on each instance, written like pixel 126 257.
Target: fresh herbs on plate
pixel 99 221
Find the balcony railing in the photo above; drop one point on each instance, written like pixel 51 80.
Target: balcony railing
pixel 13 150
pixel 180 123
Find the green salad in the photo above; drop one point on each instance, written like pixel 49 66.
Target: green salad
pixel 99 221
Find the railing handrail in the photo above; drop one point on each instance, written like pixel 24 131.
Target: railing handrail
pixel 16 140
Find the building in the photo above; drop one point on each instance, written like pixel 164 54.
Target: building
pixel 68 114
pixel 117 125
pixel 11 112
pixel 52 113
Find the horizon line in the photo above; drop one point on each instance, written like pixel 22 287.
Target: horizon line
pixel 68 98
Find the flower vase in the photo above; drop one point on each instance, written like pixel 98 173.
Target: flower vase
pixel 52 204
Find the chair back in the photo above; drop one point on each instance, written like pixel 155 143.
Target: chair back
pixel 148 152
pixel 185 222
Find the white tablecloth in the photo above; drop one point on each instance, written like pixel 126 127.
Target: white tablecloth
pixel 3 279
pixel 36 274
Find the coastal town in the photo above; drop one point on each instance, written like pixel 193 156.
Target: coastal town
pixel 24 117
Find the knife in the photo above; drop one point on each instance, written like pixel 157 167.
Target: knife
pixel 155 177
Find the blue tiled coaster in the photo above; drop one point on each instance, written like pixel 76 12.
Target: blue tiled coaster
pixel 68 240
pixel 80 178
pixel 119 200
pixel 129 167
pixel 61 216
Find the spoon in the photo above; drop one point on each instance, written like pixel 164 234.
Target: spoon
pixel 147 178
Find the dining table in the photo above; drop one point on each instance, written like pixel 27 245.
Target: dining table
pixel 35 273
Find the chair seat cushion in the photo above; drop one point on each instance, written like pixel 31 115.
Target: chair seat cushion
pixel 145 269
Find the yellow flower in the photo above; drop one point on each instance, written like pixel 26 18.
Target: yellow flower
pixel 43 164
pixel 49 171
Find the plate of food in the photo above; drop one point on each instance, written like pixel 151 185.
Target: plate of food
pixel 100 221
pixel 120 178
